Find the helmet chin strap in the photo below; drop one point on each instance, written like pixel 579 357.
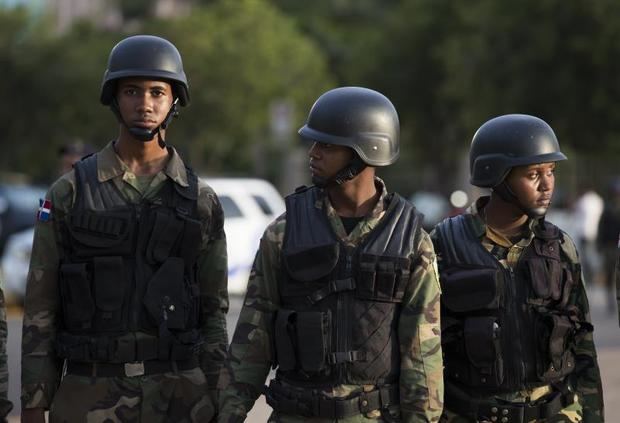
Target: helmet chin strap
pixel 350 171
pixel 143 134
pixel 504 191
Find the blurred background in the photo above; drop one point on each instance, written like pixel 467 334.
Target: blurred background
pixel 256 66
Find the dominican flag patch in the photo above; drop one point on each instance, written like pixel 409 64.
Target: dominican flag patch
pixel 45 210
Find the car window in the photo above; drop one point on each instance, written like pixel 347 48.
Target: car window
pixel 263 204
pixel 230 207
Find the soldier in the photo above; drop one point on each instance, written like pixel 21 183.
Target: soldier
pixel 343 297
pixel 127 281
pixel 516 331
pixel 5 405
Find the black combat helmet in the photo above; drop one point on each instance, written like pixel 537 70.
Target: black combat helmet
pixel 145 56
pixel 359 118
pixel 508 141
pixel 149 57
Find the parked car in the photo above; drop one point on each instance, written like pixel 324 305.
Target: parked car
pixel 18 208
pixel 249 206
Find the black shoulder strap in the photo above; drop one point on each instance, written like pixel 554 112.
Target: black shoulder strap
pixel 398 232
pixel 90 193
pixel 459 244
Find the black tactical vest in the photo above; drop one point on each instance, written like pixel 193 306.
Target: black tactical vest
pixel 129 268
pixel 506 330
pixel 340 306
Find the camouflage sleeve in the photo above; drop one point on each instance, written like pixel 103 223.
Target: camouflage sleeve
pixel 213 281
pixel 5 405
pixel 40 367
pixel 421 375
pixel 251 351
pixel 587 377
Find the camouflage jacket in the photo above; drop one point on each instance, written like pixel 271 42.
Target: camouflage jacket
pixel 5 404
pixel 251 351
pixel 41 370
pixel 587 382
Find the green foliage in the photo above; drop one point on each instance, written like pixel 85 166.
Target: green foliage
pixel 239 56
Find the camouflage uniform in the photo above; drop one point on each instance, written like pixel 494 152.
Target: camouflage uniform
pixel 251 352
pixel 5 404
pixel 186 395
pixel 588 406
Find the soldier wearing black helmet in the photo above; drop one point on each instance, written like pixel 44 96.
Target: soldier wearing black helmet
pixel 343 299
pixel 125 305
pixel 516 329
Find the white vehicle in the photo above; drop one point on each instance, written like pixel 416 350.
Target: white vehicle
pixel 15 262
pixel 249 206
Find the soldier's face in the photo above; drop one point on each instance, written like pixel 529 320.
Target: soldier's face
pixel 326 160
pixel 144 103
pixel 533 184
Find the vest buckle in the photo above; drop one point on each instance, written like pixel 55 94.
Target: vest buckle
pixel 135 368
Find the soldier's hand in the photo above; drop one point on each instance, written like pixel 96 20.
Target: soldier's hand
pixel 33 415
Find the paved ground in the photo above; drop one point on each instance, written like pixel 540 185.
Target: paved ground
pixel 607 338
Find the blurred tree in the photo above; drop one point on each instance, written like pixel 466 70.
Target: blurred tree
pixel 343 29
pixel 135 9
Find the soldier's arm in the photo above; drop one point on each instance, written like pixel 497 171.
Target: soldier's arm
pixel 40 367
pixel 5 405
pixel 213 281
pixel 421 374
pixel 587 377
pixel 251 351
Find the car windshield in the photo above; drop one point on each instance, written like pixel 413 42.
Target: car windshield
pixel 263 205
pixel 230 207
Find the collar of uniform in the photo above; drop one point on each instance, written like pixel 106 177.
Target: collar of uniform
pixel 175 169
pixel 110 165
pixel 323 200
pixel 481 229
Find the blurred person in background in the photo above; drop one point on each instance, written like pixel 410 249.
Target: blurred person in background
pixel 70 153
pixel 343 298
pixel 587 212
pixel 127 281
pixel 607 239
pixel 516 329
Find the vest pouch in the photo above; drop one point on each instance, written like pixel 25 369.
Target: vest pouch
pixel 556 335
pixel 166 230
pixel 366 280
pixel 77 301
pixel 311 264
pixel 167 297
pixel 109 285
pixel 313 336
pixel 546 277
pixel 466 290
pixel 482 345
pixel 382 278
pixel 191 240
pixel 99 233
pixel 284 339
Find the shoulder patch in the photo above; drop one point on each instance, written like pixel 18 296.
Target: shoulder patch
pixel 45 210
